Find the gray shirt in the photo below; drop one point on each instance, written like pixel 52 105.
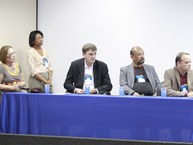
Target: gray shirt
pixel 8 77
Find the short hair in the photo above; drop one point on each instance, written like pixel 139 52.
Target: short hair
pixel 89 46
pixel 32 37
pixel 4 51
pixel 179 57
pixel 134 48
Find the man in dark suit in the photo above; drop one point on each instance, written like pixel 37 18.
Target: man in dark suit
pixel 88 72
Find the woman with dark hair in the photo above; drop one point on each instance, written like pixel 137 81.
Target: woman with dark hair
pixel 11 76
pixel 38 62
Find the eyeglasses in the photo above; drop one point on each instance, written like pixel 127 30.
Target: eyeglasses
pixel 11 55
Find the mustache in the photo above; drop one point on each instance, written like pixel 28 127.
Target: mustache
pixel 142 59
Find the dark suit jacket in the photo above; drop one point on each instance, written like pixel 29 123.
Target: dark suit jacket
pixel 75 76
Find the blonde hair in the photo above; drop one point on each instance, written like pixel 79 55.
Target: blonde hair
pixel 3 53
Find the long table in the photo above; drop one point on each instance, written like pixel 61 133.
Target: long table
pixel 99 116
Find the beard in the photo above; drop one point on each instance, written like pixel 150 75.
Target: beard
pixel 141 61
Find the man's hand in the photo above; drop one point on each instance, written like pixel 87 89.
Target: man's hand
pixel 93 91
pixel 190 94
pixel 78 91
pixel 136 94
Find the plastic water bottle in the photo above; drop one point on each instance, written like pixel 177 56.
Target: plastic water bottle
pixel 47 88
pixel 87 89
pixel 163 91
pixel 121 91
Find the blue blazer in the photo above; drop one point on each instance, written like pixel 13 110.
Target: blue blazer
pixel 75 76
pixel 127 79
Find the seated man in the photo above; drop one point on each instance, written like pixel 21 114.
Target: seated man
pixel 88 72
pixel 139 78
pixel 179 80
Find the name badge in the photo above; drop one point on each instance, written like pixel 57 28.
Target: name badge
pixel 45 62
pixel 184 88
pixel 88 79
pixel 140 79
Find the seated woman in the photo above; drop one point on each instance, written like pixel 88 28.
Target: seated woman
pixel 11 77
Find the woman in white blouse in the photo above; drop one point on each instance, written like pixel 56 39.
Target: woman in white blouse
pixel 38 63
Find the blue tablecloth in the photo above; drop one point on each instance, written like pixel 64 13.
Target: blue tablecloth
pixel 97 116
pixel 0 121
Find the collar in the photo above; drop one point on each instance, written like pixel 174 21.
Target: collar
pixel 180 73
pixel 87 67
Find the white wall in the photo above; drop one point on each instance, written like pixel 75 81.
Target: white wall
pixel 161 27
pixel 18 18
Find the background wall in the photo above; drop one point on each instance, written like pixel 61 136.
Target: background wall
pixel 161 27
pixel 18 19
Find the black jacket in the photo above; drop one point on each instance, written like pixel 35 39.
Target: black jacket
pixel 75 76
